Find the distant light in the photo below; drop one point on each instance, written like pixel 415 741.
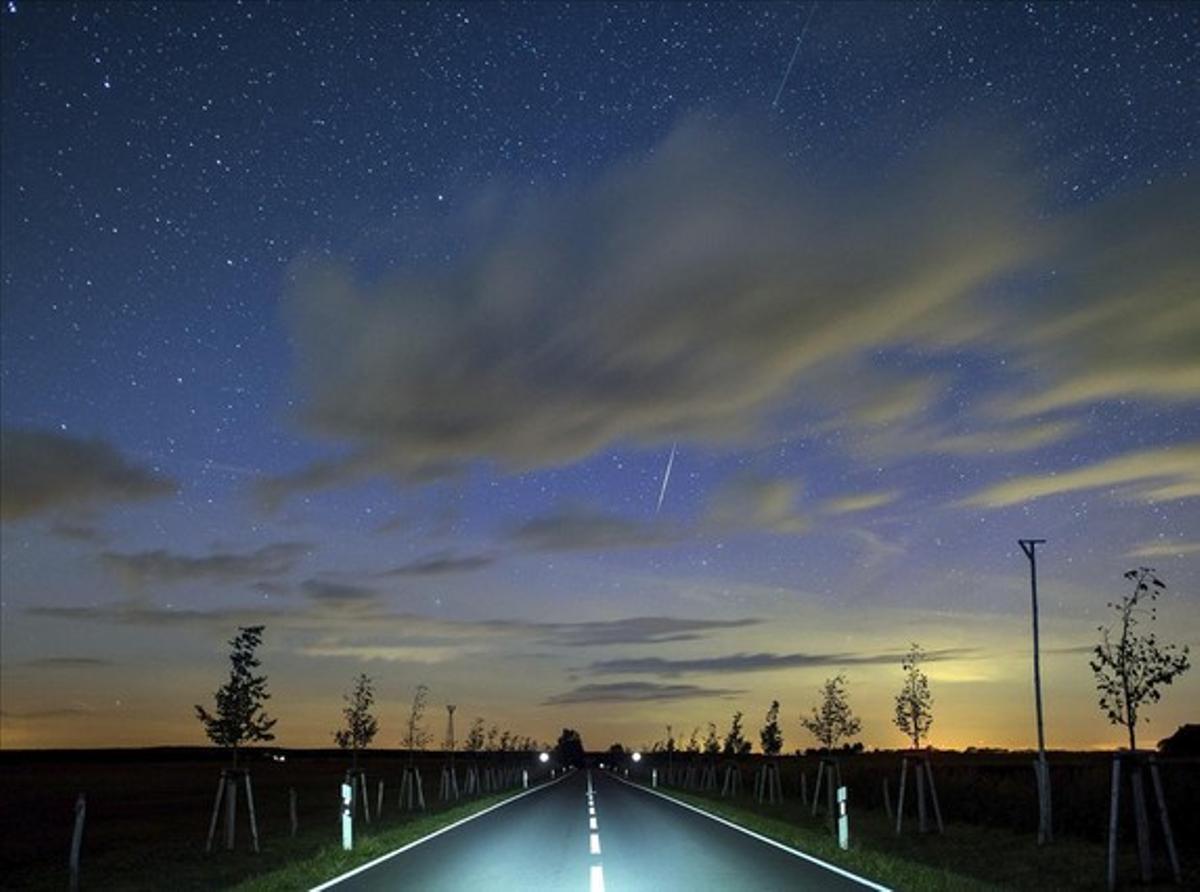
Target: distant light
pixel 637 757
pixel 601 764
pixel 543 758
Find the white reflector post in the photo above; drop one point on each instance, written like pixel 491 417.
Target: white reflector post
pixel 347 817
pixel 654 777
pixel 524 779
pixel 843 819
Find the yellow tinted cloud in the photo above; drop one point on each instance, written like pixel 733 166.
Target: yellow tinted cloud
pixel 1172 472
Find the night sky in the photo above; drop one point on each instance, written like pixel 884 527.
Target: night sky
pixel 380 325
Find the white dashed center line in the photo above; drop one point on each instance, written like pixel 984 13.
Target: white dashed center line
pixel 596 872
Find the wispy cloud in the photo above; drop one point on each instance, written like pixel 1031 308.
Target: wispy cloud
pixel 638 630
pixel 863 501
pixel 61 712
pixel 79 532
pixel 327 592
pixel 576 527
pixel 752 501
pixel 761 662
pixel 1171 472
pixel 42 470
pixel 1122 322
pixel 1164 548
pixel 635 692
pixel 441 563
pixel 323 612
pixel 705 279
pixel 67 663
pixel 1013 438
pixel 388 653
pixel 161 566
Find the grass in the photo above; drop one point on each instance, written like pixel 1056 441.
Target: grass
pixel 967 857
pixel 330 860
pixel 148 811
pixel 284 862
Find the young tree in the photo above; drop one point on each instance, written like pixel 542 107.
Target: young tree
pixel 1130 671
pixel 474 742
pixel 415 735
pixel 239 717
pixel 693 744
pixel 735 743
pixel 712 743
pixel 506 740
pixel 914 703
pixel 833 720
pixel 770 736
pixel 492 734
pixel 361 726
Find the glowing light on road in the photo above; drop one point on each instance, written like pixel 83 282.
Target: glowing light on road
pixel 543 758
pixel 637 757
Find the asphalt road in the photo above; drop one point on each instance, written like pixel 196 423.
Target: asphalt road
pixel 638 841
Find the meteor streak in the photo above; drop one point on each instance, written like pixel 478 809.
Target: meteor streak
pixel 795 53
pixel 666 478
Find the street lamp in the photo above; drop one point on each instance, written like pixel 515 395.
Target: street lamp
pixel 543 758
pixel 1045 825
pixel 637 757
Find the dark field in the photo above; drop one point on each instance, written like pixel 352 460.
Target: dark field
pixel 148 813
pixel 989 803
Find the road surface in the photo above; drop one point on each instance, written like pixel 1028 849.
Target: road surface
pixel 615 838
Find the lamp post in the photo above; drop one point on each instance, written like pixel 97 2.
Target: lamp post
pixel 1045 831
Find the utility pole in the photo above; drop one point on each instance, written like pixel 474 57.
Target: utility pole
pixel 1041 768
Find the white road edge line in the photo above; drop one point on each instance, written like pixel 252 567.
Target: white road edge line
pixel 771 842
pixel 328 884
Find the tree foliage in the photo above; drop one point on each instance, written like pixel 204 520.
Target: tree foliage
pixel 475 738
pixel 770 736
pixel 914 703
pixel 833 720
pixel 415 735
pixel 239 716
pixel 712 743
pixel 736 743
pixel 1131 670
pixel 360 725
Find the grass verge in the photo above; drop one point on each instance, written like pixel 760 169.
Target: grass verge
pixel 331 860
pixel 284 863
pixel 967 857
